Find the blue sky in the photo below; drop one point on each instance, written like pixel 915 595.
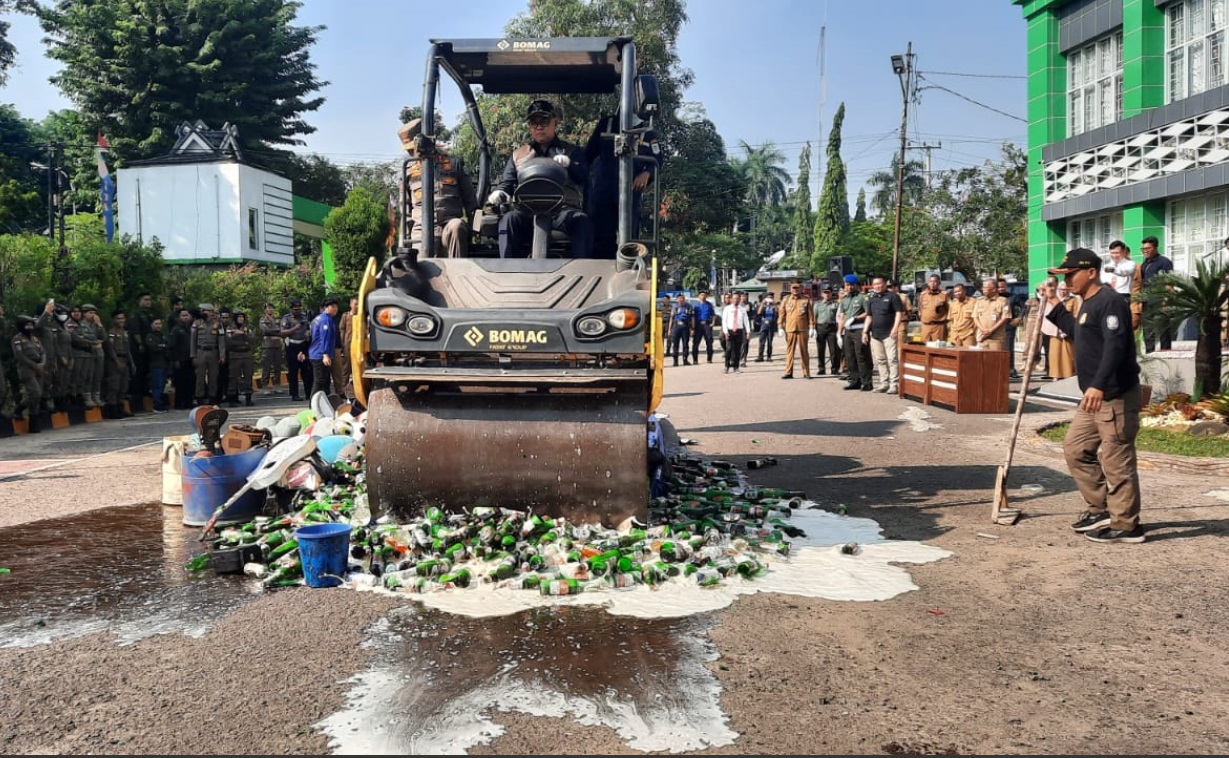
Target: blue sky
pixel 756 66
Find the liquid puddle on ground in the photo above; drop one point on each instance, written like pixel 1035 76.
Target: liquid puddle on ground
pixel 633 660
pixel 441 681
pixel 112 569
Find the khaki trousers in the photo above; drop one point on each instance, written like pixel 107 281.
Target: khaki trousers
pixel 797 341
pixel 1100 452
pixel 934 332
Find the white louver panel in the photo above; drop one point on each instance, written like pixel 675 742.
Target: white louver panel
pixel 1193 143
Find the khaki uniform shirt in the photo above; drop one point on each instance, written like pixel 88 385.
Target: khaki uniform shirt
pixel 960 319
pixel 932 307
pixel 795 313
pixel 987 311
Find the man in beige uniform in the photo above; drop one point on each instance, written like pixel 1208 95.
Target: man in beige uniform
pixel 932 310
pixel 345 332
pixel 960 328
pixel 795 319
pixel 990 316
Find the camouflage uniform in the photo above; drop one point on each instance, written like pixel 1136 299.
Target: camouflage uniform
pixel 120 366
pixel 240 360
pixel 31 369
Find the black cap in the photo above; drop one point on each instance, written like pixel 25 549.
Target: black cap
pixel 540 108
pixel 1079 258
pixel 295 302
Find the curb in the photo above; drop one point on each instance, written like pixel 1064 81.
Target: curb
pixel 1181 464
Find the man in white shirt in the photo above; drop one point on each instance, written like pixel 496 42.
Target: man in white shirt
pixel 1119 269
pixel 734 325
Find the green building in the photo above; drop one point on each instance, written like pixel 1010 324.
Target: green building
pixel 1128 127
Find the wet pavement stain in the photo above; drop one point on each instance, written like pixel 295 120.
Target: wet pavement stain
pixel 112 569
pixel 440 682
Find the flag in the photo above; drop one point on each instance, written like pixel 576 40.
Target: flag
pixel 712 273
pixel 392 222
pixel 107 190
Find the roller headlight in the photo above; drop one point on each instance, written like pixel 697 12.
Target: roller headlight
pixel 420 326
pixel 591 326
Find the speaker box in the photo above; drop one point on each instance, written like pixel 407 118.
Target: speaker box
pixel 842 263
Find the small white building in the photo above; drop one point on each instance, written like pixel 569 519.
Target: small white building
pixel 205 204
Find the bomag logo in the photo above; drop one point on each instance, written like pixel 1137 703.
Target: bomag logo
pixel 505 339
pixel 524 44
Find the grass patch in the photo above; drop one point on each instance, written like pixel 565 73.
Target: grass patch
pixel 1154 440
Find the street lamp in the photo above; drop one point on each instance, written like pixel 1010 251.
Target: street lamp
pixel 902 66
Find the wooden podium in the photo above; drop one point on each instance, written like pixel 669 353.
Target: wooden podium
pixel 970 380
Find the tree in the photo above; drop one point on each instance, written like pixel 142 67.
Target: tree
pixel 701 191
pixel 313 177
pixel 654 26
pixel 67 129
pixel 869 243
pixel 884 182
pixel 1174 297
pixel 804 229
pixel 859 213
pixel 357 231
pixel 23 190
pixel 138 69
pixel 8 53
pixel 767 183
pixel 832 219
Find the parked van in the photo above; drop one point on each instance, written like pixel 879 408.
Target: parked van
pixel 947 279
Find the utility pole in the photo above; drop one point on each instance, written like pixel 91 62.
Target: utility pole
pixel 928 148
pixel 51 191
pixel 58 168
pixel 903 68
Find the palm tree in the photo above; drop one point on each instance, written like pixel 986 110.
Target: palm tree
pixel 884 182
pixel 767 182
pixel 1201 297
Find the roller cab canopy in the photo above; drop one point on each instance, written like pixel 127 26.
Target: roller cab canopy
pixel 509 65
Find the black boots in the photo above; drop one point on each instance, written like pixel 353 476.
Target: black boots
pixel 32 425
pixel 232 401
pixel 248 400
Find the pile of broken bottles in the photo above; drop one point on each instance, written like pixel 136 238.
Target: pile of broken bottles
pixel 711 527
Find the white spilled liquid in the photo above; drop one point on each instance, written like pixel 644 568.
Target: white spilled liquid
pixel 816 568
pixel 383 716
pixel 686 720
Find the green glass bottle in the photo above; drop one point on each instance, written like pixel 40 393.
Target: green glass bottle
pixel 458 578
pixel 199 562
pixel 505 570
pixel 531 582
pixel 560 587
pixel 708 577
pixel 284 548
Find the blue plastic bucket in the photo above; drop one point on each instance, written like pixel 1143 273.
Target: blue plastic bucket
pixel 323 550
pixel 209 481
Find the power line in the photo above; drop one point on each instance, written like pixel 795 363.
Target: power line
pixel 978 76
pixel 966 98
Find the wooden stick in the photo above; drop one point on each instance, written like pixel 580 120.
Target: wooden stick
pixel 1030 353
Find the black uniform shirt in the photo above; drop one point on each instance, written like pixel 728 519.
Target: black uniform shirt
pixel 1104 342
pixel 883 309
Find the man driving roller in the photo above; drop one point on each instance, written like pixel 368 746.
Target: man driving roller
pixel 516 226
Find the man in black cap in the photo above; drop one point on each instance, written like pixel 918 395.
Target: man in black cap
pixel 1100 444
pixel 516 226
pixel 296 328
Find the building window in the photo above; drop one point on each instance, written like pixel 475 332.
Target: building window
pixel 253 229
pixel 1094 84
pixel 1195 47
pixel 1197 227
pixel 1094 232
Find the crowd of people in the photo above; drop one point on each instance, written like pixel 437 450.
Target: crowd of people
pixel 67 358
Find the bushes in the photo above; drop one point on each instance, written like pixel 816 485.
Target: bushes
pixel 113 276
